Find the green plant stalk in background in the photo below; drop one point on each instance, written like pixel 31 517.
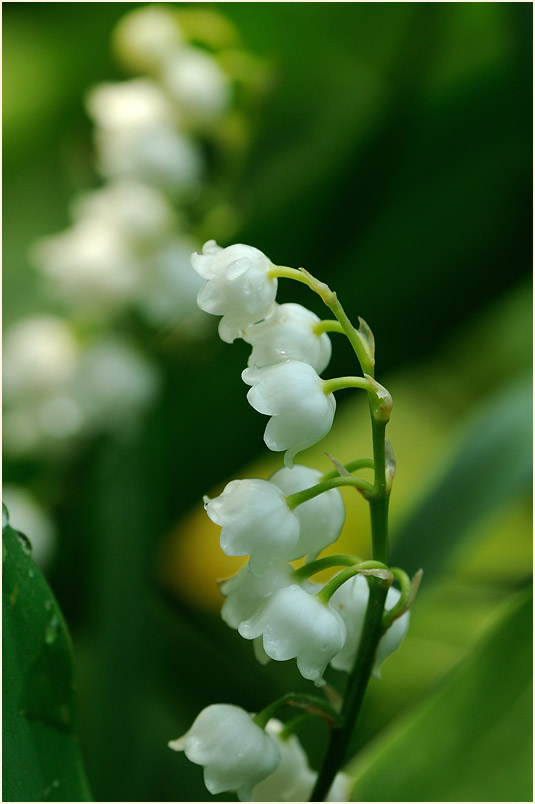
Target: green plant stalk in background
pixel 374 626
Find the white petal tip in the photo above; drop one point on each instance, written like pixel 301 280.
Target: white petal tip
pixel 177 745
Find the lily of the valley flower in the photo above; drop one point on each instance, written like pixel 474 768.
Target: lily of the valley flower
pixel 321 518
pixel 256 521
pixel 288 334
pixel 235 752
pixel 351 600
pixel 237 286
pixel 244 592
pixel 295 624
pixel 292 779
pixel 292 394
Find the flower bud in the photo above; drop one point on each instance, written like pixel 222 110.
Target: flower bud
pixel 288 334
pixel 296 624
pixel 351 600
pixel 292 394
pixel 320 518
pixel 237 286
pixel 256 521
pixel 235 752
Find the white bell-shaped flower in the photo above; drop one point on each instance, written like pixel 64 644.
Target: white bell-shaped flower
pixel 292 779
pixel 90 263
pixel 256 521
pixel 197 83
pixel 40 355
pixel 321 518
pixel 139 212
pixel 292 394
pixel 351 600
pixel 288 334
pixel 295 624
pixel 235 752
pixel 244 592
pixel 146 37
pixel 237 286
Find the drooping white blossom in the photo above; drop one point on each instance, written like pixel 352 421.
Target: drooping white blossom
pixel 292 779
pixel 292 394
pixel 235 752
pixel 255 520
pixel 237 286
pixel 244 592
pixel 288 334
pixel 320 518
pixel 295 624
pixel 351 600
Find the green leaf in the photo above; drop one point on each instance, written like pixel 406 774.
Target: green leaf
pixel 490 468
pixel 41 758
pixel 471 739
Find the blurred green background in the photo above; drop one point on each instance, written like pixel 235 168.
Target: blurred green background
pixel 392 158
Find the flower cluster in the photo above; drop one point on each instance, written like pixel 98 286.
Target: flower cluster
pixel 259 765
pixel 126 254
pixel 295 514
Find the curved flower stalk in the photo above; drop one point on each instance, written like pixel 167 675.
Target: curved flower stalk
pixel 356 620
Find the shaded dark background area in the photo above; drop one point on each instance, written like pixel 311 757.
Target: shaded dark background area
pixel 392 158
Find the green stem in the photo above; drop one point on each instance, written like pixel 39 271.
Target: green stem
pixel 354 692
pixel 312 704
pixel 328 326
pixel 331 300
pixel 326 562
pixel 352 466
pixel 373 627
pixel 301 497
pixel 335 583
pixel 338 383
pixel 283 272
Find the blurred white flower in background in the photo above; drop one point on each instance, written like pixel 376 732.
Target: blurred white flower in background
pixel 125 254
pixel 38 354
pixel 146 37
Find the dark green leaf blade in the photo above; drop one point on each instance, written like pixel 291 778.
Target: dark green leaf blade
pixel 41 758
